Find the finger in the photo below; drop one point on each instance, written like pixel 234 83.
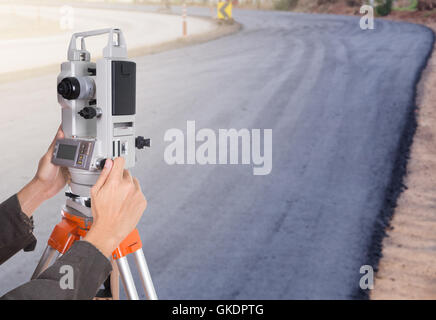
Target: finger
pixel 139 191
pixel 117 170
pixel 66 173
pixel 128 180
pixel 59 135
pixel 103 175
pixel 127 176
pixel 136 183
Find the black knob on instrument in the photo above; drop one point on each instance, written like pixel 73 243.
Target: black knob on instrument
pixel 141 142
pixel 100 164
pixel 88 112
pixel 69 88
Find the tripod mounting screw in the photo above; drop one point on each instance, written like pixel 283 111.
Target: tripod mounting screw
pixel 141 142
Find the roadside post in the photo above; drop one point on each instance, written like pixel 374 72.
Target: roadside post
pixel 184 22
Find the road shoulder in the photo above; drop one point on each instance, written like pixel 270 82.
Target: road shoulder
pixel 408 266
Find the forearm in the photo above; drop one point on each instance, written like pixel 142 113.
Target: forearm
pixel 76 275
pixel 31 196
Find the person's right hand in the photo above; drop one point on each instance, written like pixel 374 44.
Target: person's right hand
pixel 117 204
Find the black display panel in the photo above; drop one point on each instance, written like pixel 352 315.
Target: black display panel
pixel 123 88
pixel 66 151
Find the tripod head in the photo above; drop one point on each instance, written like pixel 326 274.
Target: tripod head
pixel 98 101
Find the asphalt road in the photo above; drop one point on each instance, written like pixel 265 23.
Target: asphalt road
pixel 337 99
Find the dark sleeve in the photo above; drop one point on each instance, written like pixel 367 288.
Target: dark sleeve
pixel 78 274
pixel 16 229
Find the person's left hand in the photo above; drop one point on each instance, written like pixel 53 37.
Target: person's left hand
pixel 50 177
pixel 48 181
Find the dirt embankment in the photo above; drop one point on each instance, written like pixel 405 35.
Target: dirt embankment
pixel 426 15
pixel 328 6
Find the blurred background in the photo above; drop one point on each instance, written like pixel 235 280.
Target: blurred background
pixel 35 33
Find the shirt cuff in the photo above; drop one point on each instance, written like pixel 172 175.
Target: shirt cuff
pixel 23 225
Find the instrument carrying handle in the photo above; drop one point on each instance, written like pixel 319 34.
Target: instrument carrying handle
pixel 116 46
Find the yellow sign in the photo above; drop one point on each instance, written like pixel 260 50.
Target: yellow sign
pixel 224 10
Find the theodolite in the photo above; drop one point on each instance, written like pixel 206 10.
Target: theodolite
pixel 98 101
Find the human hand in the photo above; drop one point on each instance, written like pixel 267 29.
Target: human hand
pixel 51 177
pixel 117 205
pixel 47 182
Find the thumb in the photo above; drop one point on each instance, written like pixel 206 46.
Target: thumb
pixel 59 135
pixel 103 175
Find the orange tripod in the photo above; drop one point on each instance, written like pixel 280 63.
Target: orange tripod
pixel 75 225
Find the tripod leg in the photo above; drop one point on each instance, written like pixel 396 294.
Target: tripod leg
pixel 44 262
pixel 144 273
pixel 127 279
